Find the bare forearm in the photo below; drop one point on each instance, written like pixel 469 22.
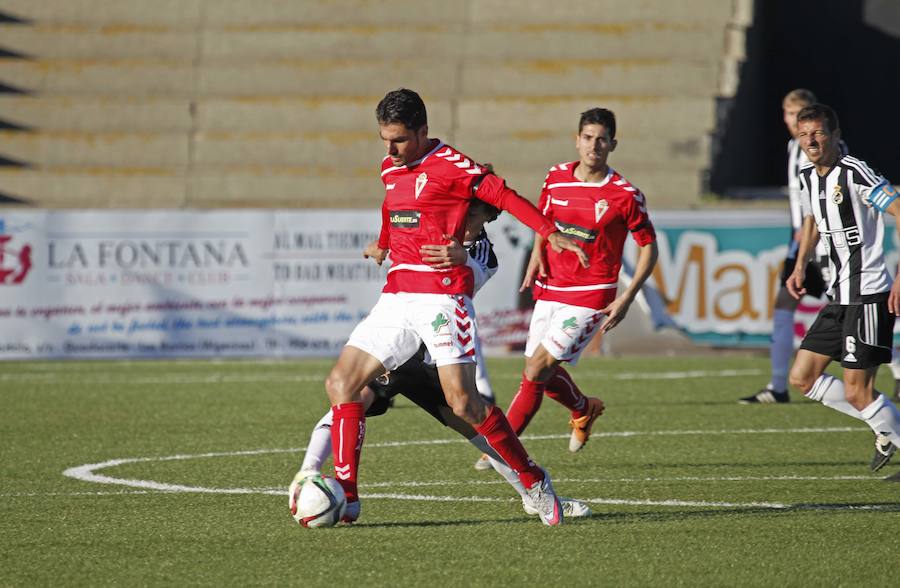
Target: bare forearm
pixel 643 269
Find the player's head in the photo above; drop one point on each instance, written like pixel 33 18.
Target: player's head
pixel 596 137
pixel 480 212
pixel 819 133
pixel 403 124
pixel 795 101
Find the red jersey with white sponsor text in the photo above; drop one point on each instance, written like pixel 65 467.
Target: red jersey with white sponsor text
pixel 429 198
pixel 598 216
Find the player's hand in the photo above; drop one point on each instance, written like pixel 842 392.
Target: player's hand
pixel 561 243
pixel 794 283
pixel 615 312
pixel 444 256
pixel 894 298
pixel 375 252
pixel 536 268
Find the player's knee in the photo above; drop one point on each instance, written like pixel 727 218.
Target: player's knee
pixel 336 388
pixel 801 380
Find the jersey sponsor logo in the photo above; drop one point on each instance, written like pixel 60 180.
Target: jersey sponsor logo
pixel 840 239
pixel 600 208
pixel 837 197
pixel 420 183
pixel 390 186
pixel 576 232
pixel 405 219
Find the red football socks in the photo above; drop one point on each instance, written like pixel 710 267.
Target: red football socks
pixel 525 404
pixel 348 430
pixel 499 434
pixel 562 388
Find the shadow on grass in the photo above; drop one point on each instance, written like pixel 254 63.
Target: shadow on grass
pixel 651 516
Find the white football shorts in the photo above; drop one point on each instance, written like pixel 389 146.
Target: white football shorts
pixel 564 330
pixel 399 323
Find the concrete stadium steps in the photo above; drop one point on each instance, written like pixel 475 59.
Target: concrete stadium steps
pixel 90 42
pixel 182 151
pixel 181 78
pixel 646 40
pixel 268 186
pixel 635 115
pixel 99 114
pixel 120 149
pixel 249 187
pixel 293 12
pixel 94 187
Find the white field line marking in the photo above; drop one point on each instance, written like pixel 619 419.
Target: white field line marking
pixel 51 376
pixel 88 473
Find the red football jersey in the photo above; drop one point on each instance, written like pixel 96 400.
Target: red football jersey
pixel 429 198
pixel 597 216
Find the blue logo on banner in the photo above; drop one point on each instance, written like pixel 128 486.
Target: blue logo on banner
pixel 2 226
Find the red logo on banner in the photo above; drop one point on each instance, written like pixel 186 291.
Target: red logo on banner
pixel 15 262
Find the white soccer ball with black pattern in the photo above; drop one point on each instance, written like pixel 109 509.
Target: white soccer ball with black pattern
pixel 318 502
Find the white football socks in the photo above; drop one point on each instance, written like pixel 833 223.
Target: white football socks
pixel 883 417
pixel 500 466
pixel 782 348
pixel 830 391
pixel 319 447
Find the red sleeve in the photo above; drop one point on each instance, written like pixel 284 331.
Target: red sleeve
pixel 384 237
pixel 494 190
pixel 638 221
pixel 545 195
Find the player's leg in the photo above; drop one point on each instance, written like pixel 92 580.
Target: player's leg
pixel 570 506
pixel 380 343
pixel 780 351
pixel 319 447
pixel 584 409
pixel 450 343
pixel 895 370
pixel 868 340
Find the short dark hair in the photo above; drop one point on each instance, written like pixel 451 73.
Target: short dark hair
pixel 820 111
pixel 599 116
pixel 491 211
pixel 402 106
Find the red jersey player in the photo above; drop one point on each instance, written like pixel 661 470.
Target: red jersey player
pixel 593 204
pixel 428 186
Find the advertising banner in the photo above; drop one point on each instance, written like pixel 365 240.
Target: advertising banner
pixel 275 283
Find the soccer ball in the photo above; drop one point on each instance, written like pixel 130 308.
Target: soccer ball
pixel 318 501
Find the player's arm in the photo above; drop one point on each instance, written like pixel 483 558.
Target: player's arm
pixel 809 236
pixel 493 189
pixel 892 207
pixel 536 267
pixel 618 308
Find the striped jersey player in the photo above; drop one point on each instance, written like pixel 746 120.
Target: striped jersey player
pixel 844 201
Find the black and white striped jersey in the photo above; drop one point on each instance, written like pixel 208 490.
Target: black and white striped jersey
pixel 846 204
pixel 482 259
pixel 796 161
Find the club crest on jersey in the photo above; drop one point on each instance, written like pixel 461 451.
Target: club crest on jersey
pixel 420 183
pixel 600 208
pixel 837 197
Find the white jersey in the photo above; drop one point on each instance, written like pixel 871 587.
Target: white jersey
pixel 850 227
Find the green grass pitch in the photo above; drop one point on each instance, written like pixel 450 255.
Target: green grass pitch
pixel 688 488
